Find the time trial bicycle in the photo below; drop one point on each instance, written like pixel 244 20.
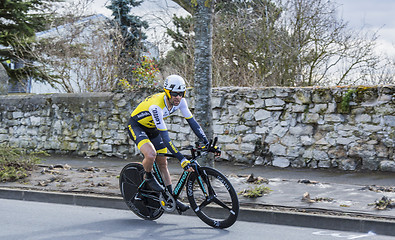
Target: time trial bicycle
pixel 210 194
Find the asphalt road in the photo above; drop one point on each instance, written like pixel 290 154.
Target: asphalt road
pixel 37 220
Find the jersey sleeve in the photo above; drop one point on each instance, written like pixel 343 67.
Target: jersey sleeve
pixel 192 122
pixel 157 116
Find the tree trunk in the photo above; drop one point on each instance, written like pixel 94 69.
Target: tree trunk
pixel 203 68
pixel 203 11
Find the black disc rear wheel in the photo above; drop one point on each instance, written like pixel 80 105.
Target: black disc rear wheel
pixel 213 198
pixel 145 205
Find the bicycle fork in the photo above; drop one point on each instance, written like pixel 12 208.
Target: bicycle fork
pixel 209 191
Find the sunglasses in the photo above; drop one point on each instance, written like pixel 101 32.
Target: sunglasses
pixel 175 94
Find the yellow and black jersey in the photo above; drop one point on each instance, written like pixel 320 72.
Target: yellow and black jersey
pixel 153 110
pixel 151 114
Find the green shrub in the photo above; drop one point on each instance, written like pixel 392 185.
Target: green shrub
pixel 255 192
pixel 345 104
pixel 16 163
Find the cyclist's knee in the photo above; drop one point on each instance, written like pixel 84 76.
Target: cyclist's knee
pixel 150 156
pixel 148 151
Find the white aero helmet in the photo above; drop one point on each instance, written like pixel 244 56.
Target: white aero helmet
pixel 174 83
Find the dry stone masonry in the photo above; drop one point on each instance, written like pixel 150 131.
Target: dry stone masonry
pixel 348 128
pixel 3 81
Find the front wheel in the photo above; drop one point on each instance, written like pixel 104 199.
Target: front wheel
pixel 213 198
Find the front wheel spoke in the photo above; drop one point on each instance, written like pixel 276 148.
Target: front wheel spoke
pixel 222 204
pixel 206 202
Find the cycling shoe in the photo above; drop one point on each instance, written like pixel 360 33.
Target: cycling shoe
pixel 181 207
pixel 154 185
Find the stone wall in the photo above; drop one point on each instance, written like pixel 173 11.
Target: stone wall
pixel 344 128
pixel 3 81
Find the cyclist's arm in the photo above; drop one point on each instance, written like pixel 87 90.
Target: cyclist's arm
pixel 157 116
pixel 192 122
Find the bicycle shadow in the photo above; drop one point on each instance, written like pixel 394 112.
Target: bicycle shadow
pixel 122 228
pixel 190 232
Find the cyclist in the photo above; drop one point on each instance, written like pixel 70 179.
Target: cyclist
pixel 148 130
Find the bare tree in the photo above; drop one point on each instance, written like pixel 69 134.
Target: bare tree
pixel 383 74
pixel 325 50
pixel 83 54
pixel 79 52
pixel 245 49
pixel 291 43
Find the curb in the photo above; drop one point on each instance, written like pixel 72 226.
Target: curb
pixel 322 221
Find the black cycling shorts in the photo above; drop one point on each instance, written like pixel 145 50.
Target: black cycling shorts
pixel 140 135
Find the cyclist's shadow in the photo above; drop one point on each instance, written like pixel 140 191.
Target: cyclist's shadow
pixel 123 228
pixel 160 229
pixel 176 232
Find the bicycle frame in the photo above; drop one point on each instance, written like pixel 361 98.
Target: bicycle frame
pixel 183 178
pixel 180 184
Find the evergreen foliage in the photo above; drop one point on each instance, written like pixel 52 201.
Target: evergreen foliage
pixel 180 59
pixel 132 32
pixel 19 21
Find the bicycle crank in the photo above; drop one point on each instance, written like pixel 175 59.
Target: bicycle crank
pixel 167 202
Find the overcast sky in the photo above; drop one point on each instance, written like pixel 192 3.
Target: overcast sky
pixel 371 14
